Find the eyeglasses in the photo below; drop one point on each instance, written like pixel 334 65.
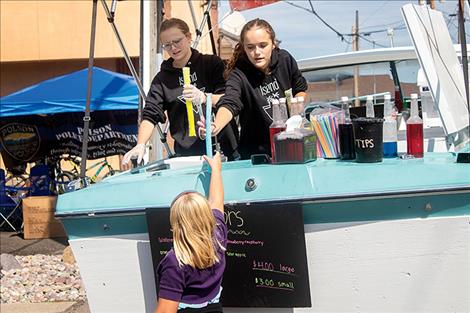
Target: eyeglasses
pixel 174 43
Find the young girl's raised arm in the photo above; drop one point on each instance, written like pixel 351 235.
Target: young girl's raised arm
pixel 216 188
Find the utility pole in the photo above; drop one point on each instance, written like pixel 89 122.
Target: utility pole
pixel 390 34
pixel 355 46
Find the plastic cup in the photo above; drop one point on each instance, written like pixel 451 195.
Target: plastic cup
pixel 368 139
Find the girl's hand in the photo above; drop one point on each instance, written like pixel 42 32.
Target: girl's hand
pixel 202 128
pixel 192 93
pixel 215 163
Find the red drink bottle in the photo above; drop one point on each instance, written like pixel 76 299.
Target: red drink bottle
pixel 414 130
pixel 278 125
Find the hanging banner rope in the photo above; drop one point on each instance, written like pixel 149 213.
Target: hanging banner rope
pixel 189 104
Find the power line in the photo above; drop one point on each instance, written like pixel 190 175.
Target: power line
pixel 372 42
pixel 320 18
pixel 380 7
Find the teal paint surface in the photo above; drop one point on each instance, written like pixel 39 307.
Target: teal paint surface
pixel 86 227
pixel 319 178
pixel 314 213
pixel 388 209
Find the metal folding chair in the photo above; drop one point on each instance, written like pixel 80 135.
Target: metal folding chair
pixel 10 203
pixel 40 180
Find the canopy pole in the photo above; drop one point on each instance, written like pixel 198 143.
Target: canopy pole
pixel 464 157
pixel 133 71
pixel 211 33
pixel 203 23
pixel 87 118
pixel 193 15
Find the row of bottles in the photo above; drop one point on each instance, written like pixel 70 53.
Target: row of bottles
pixel 414 129
pixel 295 130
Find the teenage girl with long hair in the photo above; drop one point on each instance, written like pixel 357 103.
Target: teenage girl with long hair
pixel 168 93
pixel 190 274
pixel 257 73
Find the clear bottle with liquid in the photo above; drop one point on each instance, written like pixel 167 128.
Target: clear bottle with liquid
pixel 305 122
pixel 370 106
pixel 278 125
pixel 294 107
pixel 346 134
pixel 283 108
pixel 390 136
pixel 414 130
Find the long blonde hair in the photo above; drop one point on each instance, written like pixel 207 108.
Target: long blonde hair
pixel 193 225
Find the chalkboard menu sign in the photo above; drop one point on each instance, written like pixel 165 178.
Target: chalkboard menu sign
pixel 266 262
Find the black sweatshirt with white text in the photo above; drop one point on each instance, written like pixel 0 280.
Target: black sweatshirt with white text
pixel 249 93
pixel 165 94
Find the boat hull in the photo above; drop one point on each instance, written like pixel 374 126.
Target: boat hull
pixel 383 252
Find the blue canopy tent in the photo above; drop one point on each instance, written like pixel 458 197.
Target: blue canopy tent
pixel 47 119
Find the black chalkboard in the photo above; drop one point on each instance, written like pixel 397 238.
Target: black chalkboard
pixel 266 256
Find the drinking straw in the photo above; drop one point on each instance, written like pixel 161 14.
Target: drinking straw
pixel 321 135
pixel 328 133
pixel 208 125
pixel 189 104
pixel 334 126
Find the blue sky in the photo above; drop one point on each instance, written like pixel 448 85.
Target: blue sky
pixel 304 35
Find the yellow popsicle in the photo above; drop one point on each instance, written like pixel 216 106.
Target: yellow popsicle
pixel 189 104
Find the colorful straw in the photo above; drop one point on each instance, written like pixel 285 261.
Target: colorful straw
pixel 326 128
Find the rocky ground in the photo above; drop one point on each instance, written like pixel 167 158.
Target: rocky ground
pixel 42 270
pixel 39 278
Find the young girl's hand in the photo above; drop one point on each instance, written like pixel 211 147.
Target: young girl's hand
pixel 215 163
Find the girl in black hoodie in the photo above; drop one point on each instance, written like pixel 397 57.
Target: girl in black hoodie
pixel 257 73
pixel 168 93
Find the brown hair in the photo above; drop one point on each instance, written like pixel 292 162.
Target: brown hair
pixel 240 47
pixel 175 22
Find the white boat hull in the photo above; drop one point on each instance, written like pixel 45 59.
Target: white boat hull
pixel 409 265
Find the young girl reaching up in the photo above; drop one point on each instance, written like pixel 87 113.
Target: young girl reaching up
pixel 190 275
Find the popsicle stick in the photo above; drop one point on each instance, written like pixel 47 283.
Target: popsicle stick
pixel 189 104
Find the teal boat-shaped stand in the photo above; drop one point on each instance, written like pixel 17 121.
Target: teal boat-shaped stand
pixel 389 236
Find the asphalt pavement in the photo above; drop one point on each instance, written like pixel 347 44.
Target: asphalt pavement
pixel 13 243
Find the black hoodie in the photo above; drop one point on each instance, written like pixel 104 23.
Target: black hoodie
pixel 165 94
pixel 249 92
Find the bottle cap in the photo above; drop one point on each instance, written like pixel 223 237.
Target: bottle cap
pixel 300 99
pixel 275 101
pixel 369 98
pixel 414 96
pixel 294 100
pixel 344 99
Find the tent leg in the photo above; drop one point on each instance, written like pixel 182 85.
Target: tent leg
pixel 86 118
pixel 203 23
pixel 133 71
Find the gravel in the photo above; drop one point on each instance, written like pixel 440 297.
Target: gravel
pixel 41 278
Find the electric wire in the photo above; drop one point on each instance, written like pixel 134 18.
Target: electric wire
pixel 320 18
